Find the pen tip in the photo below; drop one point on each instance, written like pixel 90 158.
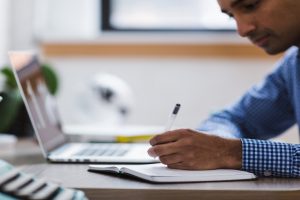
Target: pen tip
pixel 176 109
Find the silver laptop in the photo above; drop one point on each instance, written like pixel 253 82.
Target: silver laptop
pixel 42 110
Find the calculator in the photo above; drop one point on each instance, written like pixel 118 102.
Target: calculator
pixel 15 185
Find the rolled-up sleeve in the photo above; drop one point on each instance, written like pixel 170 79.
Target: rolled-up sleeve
pixel 264 111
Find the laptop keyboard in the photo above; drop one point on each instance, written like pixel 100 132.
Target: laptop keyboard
pixel 103 150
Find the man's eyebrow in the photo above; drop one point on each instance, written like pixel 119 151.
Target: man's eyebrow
pixel 233 4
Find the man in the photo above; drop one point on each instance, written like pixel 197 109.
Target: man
pixel 263 112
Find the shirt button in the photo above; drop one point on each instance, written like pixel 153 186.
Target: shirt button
pixel 267 173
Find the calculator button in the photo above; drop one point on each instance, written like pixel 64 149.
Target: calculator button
pixel 17 183
pixel 31 188
pixel 46 192
pixel 9 176
pixel 65 194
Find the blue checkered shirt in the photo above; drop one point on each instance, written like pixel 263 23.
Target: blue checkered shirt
pixel 265 111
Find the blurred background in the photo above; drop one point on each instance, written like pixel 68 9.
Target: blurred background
pixel 127 62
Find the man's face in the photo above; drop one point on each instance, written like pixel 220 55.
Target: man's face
pixel 273 25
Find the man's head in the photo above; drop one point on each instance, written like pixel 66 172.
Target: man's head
pixel 273 25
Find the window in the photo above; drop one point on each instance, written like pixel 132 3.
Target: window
pixel 164 15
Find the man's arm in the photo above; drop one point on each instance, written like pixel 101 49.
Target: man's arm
pixel 263 112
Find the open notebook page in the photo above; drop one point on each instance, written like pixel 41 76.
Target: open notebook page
pixel 160 173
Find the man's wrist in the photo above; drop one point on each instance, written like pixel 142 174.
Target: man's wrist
pixel 233 154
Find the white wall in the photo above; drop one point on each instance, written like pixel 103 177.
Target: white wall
pixel 21 25
pixel 4 33
pixel 32 21
pixel 201 85
pixel 67 19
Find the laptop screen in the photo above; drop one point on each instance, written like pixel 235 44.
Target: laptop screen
pixel 40 104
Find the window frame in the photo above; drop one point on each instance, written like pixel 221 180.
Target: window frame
pixel 106 25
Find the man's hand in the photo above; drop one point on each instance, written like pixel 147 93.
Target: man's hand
pixel 189 149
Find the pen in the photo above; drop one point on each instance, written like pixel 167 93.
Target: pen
pixel 146 137
pixel 172 117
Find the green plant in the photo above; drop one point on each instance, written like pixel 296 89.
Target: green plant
pixel 11 105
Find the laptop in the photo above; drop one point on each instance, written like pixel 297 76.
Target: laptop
pixel 43 112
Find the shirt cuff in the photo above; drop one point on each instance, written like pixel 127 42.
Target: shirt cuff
pixel 266 158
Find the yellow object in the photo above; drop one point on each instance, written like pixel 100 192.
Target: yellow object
pixel 134 138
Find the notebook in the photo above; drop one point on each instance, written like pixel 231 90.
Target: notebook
pixel 44 116
pixel 162 174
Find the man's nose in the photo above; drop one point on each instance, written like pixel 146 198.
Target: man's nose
pixel 245 27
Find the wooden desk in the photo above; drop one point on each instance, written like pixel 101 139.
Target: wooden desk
pixel 101 186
